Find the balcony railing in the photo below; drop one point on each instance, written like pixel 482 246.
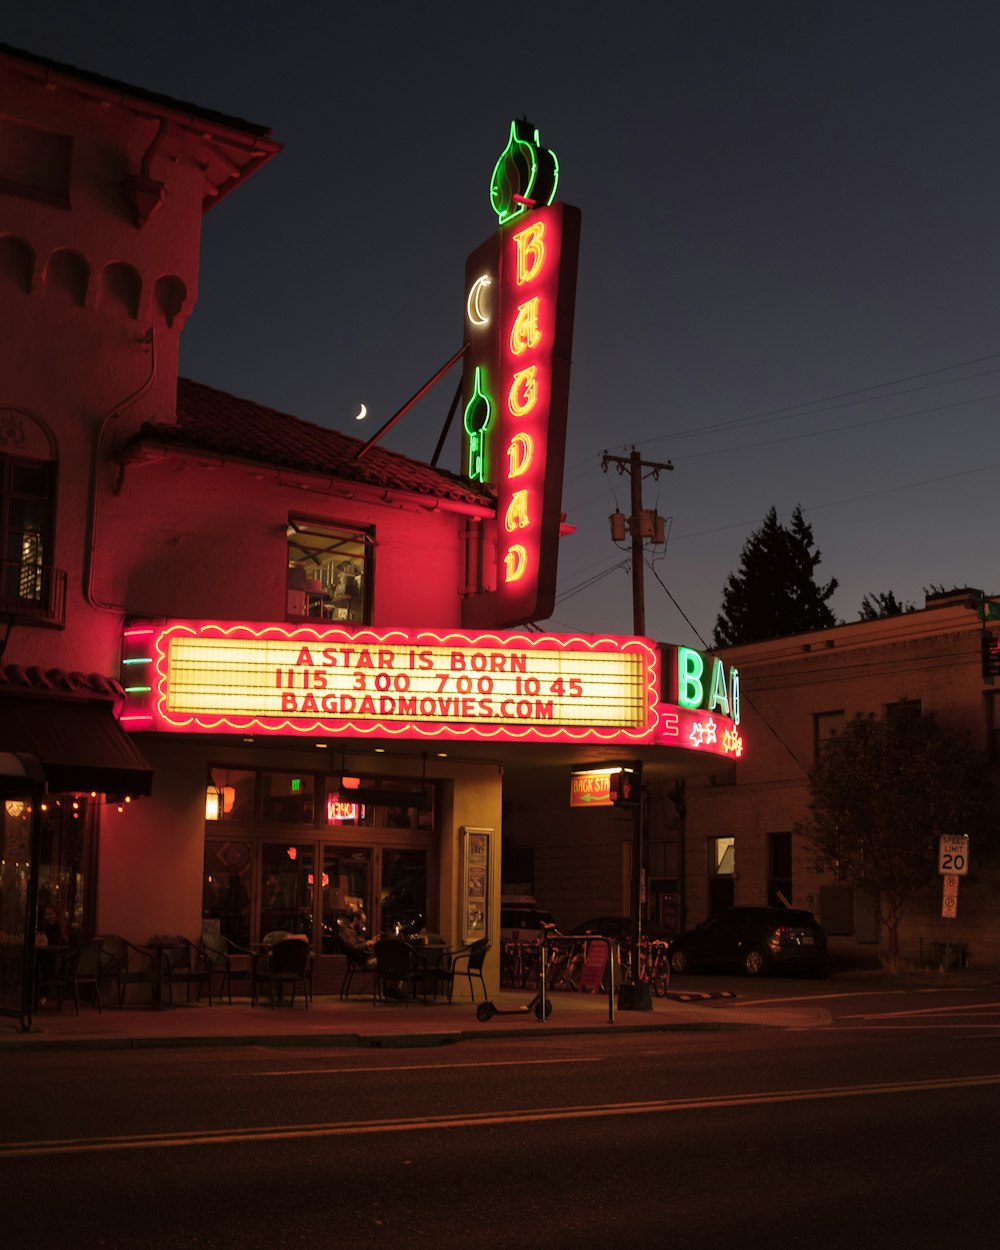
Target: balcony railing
pixel 31 593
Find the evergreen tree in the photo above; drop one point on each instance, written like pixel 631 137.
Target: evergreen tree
pixel 775 592
pixel 875 607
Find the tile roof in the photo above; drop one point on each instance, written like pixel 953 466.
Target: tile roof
pixel 117 87
pixel 15 679
pixel 212 420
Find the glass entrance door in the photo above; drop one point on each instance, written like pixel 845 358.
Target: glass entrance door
pixel 251 890
pixel 389 884
pixel 287 874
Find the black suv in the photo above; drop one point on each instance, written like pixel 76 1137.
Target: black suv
pixel 756 939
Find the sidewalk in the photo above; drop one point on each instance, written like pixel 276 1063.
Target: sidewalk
pixel 330 1022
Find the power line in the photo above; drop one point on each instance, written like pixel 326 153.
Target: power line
pixel 792 409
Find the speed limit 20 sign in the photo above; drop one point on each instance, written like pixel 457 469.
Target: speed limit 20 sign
pixel 953 855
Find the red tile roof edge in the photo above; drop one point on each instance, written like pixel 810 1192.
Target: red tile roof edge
pixel 209 419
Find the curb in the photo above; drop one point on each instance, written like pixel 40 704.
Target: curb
pixel 383 1041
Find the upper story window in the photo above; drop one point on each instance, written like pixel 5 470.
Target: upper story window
pixel 29 586
pixel 826 726
pixel 329 572
pixel 904 710
pixel 34 162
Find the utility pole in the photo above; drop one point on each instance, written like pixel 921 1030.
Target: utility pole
pixel 641 525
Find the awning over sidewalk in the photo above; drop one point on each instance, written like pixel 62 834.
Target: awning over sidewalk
pixel 78 743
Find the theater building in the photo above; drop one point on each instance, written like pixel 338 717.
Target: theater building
pixel 256 673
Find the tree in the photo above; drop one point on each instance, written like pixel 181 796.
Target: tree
pixel 882 793
pixel 875 607
pixel 775 592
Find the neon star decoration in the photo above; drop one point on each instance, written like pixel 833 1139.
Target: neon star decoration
pixel 732 743
pixel 703 732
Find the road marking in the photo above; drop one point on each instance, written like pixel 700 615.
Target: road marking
pixel 809 998
pixel 475 1119
pixel 924 1026
pixel 923 1011
pixel 426 1067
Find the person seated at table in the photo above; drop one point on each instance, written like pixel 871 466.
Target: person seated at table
pixel 358 947
pixel 53 925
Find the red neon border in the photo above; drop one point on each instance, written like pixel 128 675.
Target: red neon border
pixel 334 726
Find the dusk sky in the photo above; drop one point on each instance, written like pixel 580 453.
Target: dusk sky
pixel 788 262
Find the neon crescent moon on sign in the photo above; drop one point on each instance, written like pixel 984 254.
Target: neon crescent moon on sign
pixel 473 305
pixel 362 414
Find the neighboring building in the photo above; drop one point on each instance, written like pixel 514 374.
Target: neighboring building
pixel 165 542
pixel 741 847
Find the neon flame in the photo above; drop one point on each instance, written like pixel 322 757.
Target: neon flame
pixel 520 450
pixel 523 393
pixel 530 252
pixel 515 563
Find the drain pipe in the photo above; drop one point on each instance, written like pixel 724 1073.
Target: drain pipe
pixel 90 553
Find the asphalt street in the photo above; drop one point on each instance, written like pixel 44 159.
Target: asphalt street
pixel 877 1129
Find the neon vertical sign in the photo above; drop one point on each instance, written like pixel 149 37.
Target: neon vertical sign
pixel 538 254
pixel 520 293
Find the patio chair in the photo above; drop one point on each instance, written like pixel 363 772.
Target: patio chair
pixel 83 967
pixel 125 964
pixel 357 963
pixel 474 956
pixel 220 953
pixel 286 962
pixel 186 964
pixel 395 968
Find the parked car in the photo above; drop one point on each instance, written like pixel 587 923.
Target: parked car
pixel 621 926
pixel 756 939
pixel 522 920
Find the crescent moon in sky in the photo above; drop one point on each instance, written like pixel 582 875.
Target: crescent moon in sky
pixel 474 304
pixel 362 414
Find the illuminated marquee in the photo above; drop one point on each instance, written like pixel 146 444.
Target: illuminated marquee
pixel 196 676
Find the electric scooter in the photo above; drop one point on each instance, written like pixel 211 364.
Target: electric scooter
pixel 540 1004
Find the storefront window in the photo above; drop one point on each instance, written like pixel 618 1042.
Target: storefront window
pixel 230 794
pixel 404 891
pixel 286 903
pixel 226 893
pixel 346 889
pixel 61 879
pixel 288 798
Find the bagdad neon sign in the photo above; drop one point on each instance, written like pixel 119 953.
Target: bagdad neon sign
pixel 520 296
